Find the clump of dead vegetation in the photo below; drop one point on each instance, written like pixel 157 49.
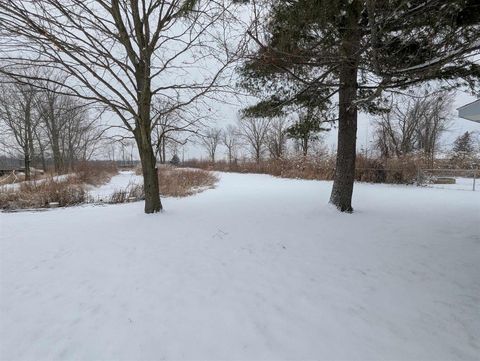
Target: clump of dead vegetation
pixel 402 170
pixel 60 191
pixel 95 173
pixel 181 182
pixel 173 182
pixel 132 193
pixel 70 190
pixel 43 194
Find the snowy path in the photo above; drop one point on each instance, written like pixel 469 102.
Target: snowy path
pixel 118 182
pixel 257 269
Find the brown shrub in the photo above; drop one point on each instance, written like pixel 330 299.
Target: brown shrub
pixel 402 170
pixel 178 182
pixel 95 173
pixel 398 170
pixel 133 192
pixel 66 192
pixel 173 182
pixel 300 167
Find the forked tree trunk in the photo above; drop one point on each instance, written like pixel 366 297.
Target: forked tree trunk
pixel 342 190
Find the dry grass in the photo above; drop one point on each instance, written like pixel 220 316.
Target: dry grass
pixel 69 191
pixel 398 170
pixel 95 173
pixel 132 193
pixel 65 193
pixel 310 167
pixel 173 182
pixel 180 182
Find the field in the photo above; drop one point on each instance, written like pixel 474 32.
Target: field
pixel 258 268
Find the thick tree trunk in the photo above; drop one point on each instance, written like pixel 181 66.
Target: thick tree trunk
pixel 143 137
pixel 342 190
pixel 150 175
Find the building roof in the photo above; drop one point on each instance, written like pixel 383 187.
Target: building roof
pixel 470 111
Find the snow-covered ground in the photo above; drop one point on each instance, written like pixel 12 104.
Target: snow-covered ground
pixel 259 268
pixel 461 183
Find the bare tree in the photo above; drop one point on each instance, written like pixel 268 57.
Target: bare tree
pixel 122 54
pixel 414 123
pixel 81 137
pixel 20 120
pixel 277 137
pixel 71 135
pixel 436 118
pixel 254 131
pixel 230 141
pixel 395 131
pixel 210 142
pixel 173 128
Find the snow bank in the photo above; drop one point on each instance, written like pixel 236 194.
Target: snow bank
pixel 259 268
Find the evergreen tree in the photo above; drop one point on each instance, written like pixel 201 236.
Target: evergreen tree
pixel 464 144
pixel 175 160
pixel 464 150
pixel 311 52
pixel 307 129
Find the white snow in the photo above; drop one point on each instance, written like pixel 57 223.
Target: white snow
pixel 118 182
pixel 461 183
pixel 259 268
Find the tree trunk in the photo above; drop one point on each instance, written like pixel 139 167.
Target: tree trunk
pixel 342 189
pixel 57 159
pixel 143 137
pixel 305 146
pixel 164 152
pixel 150 175
pixel 27 165
pixel 344 179
pixel 28 149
